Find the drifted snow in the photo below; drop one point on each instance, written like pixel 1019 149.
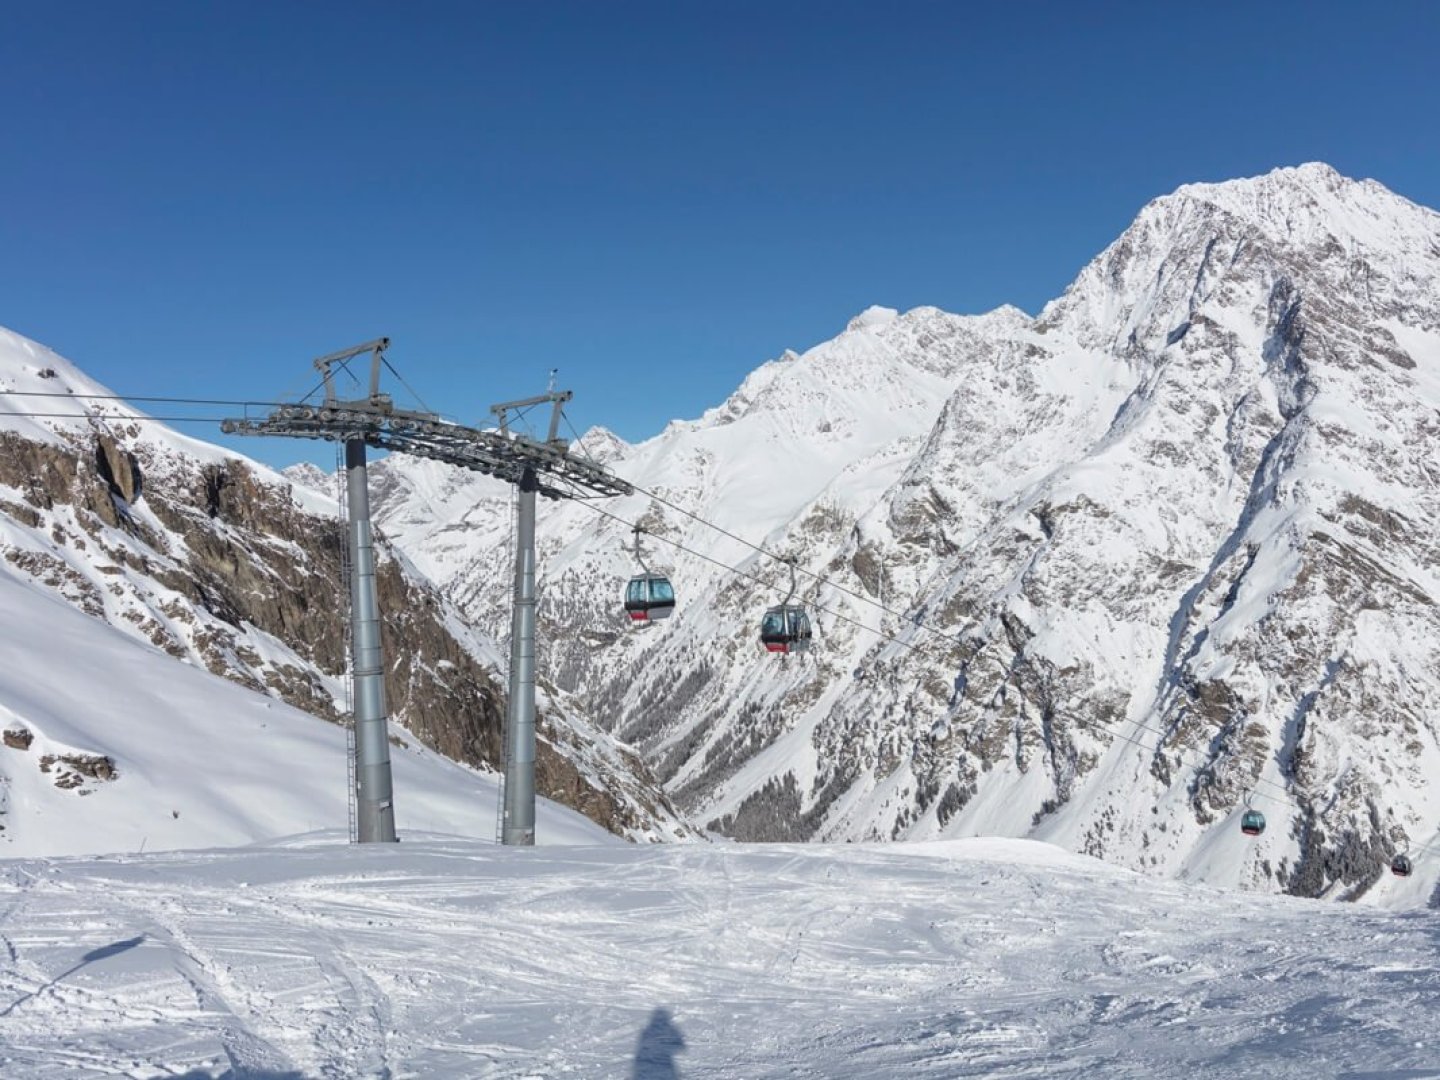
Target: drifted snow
pixel 441 958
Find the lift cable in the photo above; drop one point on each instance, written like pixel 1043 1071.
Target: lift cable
pixel 138 397
pixel 230 402
pixel 744 574
pixel 312 391
pixel 135 417
pixel 820 578
pixel 419 400
pixel 579 442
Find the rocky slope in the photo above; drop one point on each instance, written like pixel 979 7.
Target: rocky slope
pixel 229 567
pixel 1099 577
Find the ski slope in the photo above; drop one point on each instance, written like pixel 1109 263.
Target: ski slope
pixel 198 761
pixel 441 957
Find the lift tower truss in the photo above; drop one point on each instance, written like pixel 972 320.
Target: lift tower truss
pixel 535 468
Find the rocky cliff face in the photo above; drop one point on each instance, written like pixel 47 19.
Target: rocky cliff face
pixel 229 567
pixel 1100 576
pixel 1214 565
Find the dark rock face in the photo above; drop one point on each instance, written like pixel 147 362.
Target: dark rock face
pixel 118 468
pixel 72 770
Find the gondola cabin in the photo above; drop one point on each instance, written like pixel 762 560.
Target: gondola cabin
pixel 785 629
pixel 649 596
pixel 1400 866
pixel 1252 823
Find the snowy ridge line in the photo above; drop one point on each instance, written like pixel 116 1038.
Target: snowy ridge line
pixel 1054 490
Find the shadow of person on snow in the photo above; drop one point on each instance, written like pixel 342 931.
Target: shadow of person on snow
pixel 115 948
pixel 659 1043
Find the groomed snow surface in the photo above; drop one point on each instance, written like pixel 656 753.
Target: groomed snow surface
pixel 443 957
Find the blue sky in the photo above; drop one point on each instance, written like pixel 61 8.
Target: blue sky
pixel 196 199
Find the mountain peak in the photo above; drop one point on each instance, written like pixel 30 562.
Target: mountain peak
pixel 1309 175
pixel 873 316
pixel 1302 202
pixel 601 444
pixel 310 476
pixel 1308 217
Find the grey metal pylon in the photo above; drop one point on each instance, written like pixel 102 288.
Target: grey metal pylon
pixel 534 467
pixel 375 801
pixel 352 781
pixel 519 813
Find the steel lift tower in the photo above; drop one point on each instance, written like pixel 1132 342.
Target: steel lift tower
pixel 544 468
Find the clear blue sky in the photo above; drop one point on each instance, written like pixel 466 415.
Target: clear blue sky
pixel 196 199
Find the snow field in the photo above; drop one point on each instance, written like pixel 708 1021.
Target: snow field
pixel 441 957
pixel 199 760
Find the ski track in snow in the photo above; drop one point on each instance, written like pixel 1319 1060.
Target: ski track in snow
pixel 457 959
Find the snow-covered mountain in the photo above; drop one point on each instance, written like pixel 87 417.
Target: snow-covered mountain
pixel 1098 577
pixel 191 570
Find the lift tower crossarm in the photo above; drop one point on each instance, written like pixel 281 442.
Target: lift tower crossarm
pixel 556 397
pixel 376 349
pixel 558 474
